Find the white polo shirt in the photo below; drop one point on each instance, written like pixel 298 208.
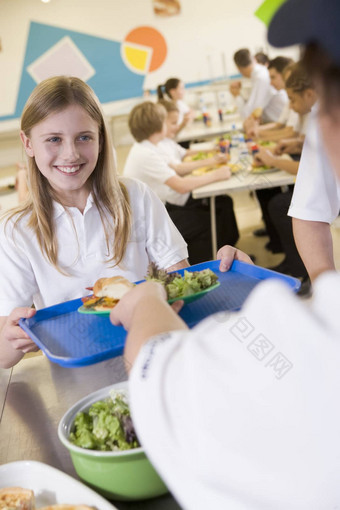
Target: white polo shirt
pixel 316 194
pixel 27 277
pixel 276 104
pixel 183 108
pixel 147 163
pixel 242 412
pixel 261 94
pixel 289 118
pixel 171 150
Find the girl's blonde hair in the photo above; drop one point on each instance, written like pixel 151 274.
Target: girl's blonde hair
pixel 109 194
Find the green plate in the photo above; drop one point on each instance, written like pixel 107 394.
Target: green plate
pixel 186 299
pixel 193 297
pixel 82 309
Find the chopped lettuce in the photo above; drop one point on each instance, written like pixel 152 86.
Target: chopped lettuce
pixel 107 426
pixel 177 285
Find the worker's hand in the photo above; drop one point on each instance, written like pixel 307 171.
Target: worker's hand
pixel 123 312
pixel 227 254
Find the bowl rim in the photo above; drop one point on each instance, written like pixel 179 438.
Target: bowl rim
pixel 69 416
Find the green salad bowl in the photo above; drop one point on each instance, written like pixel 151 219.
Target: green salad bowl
pixel 122 475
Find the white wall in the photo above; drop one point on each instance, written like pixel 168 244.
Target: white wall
pixel 201 40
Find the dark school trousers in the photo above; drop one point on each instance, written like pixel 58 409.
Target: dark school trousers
pixel 193 222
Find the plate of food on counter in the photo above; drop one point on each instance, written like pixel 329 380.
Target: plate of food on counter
pixel 32 485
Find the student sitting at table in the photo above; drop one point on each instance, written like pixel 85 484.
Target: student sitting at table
pixel 278 69
pixel 241 411
pixel 263 96
pixel 262 58
pixel 302 96
pixel 175 154
pixel 173 90
pixel 145 161
pixel 80 221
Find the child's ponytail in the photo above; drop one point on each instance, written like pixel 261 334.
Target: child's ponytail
pixel 160 89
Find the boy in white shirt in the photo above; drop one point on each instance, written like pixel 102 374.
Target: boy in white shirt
pixel 242 411
pixel 286 124
pixel 147 123
pixel 262 94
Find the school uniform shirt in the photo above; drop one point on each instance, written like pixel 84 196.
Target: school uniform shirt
pixel 288 117
pixel 260 95
pixel 316 194
pixel 27 277
pixel 146 163
pixel 171 150
pixel 302 124
pixel 183 108
pixel 241 412
pixel 277 102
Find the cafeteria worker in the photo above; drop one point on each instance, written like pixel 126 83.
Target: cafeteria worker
pixel 242 411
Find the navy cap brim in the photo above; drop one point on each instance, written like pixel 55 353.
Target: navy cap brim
pixel 292 23
pixel 307 21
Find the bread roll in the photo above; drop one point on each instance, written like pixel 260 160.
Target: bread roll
pixel 114 287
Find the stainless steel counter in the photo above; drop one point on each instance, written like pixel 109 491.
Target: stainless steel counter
pixel 33 397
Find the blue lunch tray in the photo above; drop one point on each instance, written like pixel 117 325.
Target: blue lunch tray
pixel 72 339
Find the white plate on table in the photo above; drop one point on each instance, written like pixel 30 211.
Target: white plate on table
pixel 50 486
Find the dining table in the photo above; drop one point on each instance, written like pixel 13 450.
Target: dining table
pixel 241 180
pixel 35 394
pixel 198 130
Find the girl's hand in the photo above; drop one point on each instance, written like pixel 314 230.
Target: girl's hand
pixel 12 333
pixel 227 254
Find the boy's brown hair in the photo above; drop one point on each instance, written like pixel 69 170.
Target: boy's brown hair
pixel 280 64
pixel 146 119
pixel 299 80
pixel 170 106
pixel 242 58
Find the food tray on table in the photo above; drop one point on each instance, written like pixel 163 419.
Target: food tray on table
pixel 72 339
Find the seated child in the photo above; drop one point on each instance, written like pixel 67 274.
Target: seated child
pixel 279 69
pixel 146 161
pixel 302 97
pixel 175 153
pixel 262 58
pixel 262 95
pixel 173 90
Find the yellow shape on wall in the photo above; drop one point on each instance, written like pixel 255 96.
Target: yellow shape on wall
pixel 137 58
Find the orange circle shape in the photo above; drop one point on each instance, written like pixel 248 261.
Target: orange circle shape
pixel 150 37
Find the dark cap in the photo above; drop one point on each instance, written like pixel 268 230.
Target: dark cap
pixel 305 21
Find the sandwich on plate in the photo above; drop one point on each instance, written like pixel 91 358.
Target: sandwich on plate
pixel 106 293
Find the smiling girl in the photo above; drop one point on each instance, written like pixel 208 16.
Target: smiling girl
pixel 80 221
